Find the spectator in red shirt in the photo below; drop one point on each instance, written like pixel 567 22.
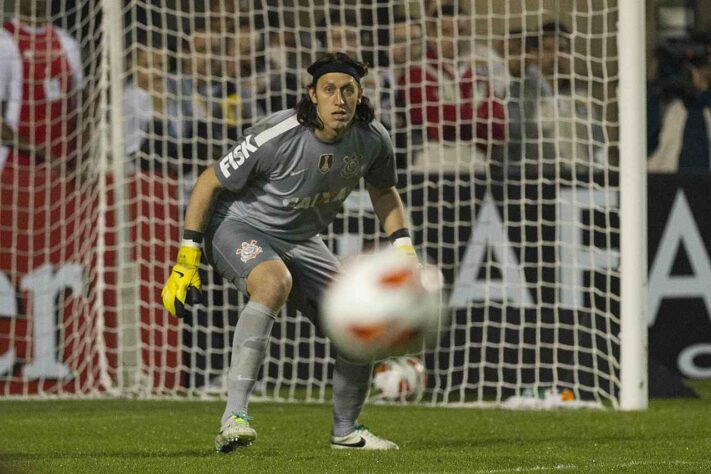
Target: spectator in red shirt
pixel 40 84
pixel 343 30
pixel 444 94
pixel 406 50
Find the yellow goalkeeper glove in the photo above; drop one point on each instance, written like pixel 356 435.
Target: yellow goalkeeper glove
pixel 183 286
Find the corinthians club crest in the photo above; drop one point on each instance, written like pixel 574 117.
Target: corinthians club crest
pixel 351 167
pixel 248 251
pixel 325 163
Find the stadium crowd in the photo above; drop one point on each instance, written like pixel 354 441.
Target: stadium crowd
pixel 513 102
pixel 679 106
pixel 451 103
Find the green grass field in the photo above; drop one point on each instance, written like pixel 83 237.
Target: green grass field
pixel 173 436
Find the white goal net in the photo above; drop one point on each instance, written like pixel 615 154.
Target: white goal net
pixel 504 116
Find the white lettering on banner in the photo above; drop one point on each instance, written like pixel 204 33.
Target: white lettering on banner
pixel 8 298
pixel 7 361
pixel 687 364
pixel 489 232
pixel 680 230
pixel 44 284
pixel 574 258
pixel 8 309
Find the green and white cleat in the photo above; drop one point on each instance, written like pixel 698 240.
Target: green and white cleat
pixel 361 438
pixel 235 433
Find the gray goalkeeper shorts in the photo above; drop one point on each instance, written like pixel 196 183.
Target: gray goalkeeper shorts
pixel 234 248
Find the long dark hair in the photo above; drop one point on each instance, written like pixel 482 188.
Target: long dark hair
pixel 306 110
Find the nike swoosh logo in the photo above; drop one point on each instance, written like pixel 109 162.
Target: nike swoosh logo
pixel 359 444
pixel 180 274
pixel 294 173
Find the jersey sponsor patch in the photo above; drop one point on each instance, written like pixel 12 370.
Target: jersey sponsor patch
pixel 351 168
pixel 325 197
pixel 248 251
pixel 235 158
pixel 325 163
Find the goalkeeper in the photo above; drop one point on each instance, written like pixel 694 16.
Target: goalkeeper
pixel 258 213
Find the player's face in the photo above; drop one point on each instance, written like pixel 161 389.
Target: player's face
pixel 336 97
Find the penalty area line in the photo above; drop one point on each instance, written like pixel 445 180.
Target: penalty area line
pixel 557 467
pixel 561 467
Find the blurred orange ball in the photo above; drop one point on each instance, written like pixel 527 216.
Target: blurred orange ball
pixel 567 395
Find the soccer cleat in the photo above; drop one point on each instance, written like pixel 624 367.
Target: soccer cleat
pixel 361 438
pixel 235 433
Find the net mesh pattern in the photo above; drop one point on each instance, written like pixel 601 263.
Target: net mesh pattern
pixel 503 117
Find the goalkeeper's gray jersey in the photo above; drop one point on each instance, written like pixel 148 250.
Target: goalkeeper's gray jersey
pixel 283 180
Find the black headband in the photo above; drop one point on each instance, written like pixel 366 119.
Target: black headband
pixel 335 67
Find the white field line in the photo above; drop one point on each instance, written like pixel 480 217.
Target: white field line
pixel 558 467
pixel 604 466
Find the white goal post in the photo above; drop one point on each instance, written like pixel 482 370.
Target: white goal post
pixel 633 207
pixel 519 135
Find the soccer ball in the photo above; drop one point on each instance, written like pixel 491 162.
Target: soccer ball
pixel 399 379
pixel 382 304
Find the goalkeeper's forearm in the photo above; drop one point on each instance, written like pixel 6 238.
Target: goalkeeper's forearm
pixel 204 193
pixel 391 214
pixel 183 286
pixel 389 209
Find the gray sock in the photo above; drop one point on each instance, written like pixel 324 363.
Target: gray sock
pixel 249 346
pixel 351 382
